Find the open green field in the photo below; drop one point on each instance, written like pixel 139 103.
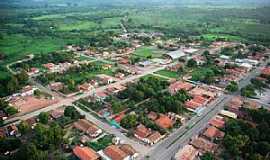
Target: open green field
pixel 17 46
pixel 168 73
pixel 147 52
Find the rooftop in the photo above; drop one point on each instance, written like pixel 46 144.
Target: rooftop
pixel 188 152
pixel 180 85
pixel 115 153
pixel 213 132
pixel 85 153
pixel 164 122
pixel 142 131
pixel 203 144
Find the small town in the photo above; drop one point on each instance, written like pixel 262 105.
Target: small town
pixel 146 96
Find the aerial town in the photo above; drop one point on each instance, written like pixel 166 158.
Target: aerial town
pixel 151 98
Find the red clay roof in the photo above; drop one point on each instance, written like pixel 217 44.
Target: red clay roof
pixel 192 105
pixel 199 99
pixel 128 149
pixel 85 153
pixel 213 132
pixel 154 137
pixel 204 144
pixel 142 131
pixel 217 122
pixel 164 122
pixel 179 85
pixel 115 153
pixel 86 126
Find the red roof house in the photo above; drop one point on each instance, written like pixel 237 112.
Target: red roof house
pixel 85 153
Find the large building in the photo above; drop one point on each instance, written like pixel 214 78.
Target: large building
pixel 175 54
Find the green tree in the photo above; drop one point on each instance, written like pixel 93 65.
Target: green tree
pixel 71 112
pixel 129 121
pixel 191 63
pixel 31 152
pixel 24 127
pixel 232 87
pixel 207 156
pixel 22 77
pixel 43 117
pixel 13 85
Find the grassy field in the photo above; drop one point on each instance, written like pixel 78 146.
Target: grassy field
pixel 17 46
pixel 146 52
pixel 168 73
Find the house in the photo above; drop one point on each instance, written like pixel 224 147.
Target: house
pixel 105 79
pixel 56 86
pixel 179 85
pixel 174 68
pixel 188 152
pixel 49 66
pixel 87 127
pixel 217 121
pixel 235 104
pixel 213 133
pixel 129 150
pixel 251 104
pixel 141 132
pixel 228 114
pixel 101 96
pixel 85 153
pixel 145 63
pixel 199 59
pixel 13 130
pixel 85 87
pixel 196 104
pixel 28 90
pixel 57 113
pixel 113 152
pixel 84 139
pixel 199 91
pixel 154 137
pixel 119 75
pixel 203 145
pixel 164 122
pixel 33 71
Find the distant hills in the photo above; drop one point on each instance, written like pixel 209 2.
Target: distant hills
pixel 67 3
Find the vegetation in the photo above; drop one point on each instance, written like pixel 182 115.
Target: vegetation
pixel 101 143
pixel 145 88
pixel 71 112
pixel 129 121
pixel 248 91
pixel 43 117
pixel 207 74
pixel 232 87
pixel 246 141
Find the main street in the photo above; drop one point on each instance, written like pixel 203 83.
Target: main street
pixel 69 100
pixel 167 148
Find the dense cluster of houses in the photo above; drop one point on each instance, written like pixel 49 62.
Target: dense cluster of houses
pixel 112 152
pixel 206 140
pixel 201 95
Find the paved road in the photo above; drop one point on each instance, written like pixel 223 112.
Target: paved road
pixel 167 148
pixel 70 100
